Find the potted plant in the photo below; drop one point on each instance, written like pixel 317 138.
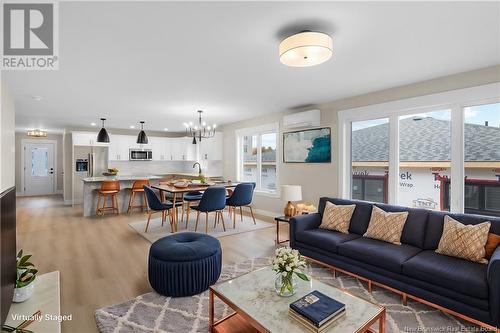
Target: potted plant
pixel 288 264
pixel 26 274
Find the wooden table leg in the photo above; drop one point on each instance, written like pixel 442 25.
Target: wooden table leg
pixel 176 216
pixel 211 311
pixel 381 323
pixel 277 232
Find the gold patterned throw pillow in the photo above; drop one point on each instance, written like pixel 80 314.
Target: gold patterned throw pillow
pixel 385 226
pixel 465 241
pixel 337 217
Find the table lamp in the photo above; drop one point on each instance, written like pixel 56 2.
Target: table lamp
pixel 291 193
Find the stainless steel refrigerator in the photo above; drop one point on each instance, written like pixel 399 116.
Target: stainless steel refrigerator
pixel 88 161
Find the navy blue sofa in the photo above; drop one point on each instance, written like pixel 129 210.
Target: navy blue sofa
pixel 466 287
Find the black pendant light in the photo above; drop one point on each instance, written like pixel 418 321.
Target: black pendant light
pixel 194 140
pixel 103 134
pixel 142 138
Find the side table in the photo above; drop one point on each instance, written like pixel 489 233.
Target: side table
pixel 279 219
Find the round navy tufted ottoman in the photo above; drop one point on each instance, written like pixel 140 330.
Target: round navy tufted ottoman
pixel 184 264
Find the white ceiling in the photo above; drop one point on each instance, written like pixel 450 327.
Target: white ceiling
pixel 162 61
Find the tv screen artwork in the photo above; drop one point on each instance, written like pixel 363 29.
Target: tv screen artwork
pixel 307 146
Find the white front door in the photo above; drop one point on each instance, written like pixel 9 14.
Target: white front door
pixel 38 168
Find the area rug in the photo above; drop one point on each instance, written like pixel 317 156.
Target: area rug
pixel 155 313
pixel 157 231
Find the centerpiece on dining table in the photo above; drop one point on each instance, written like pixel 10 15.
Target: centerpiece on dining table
pixel 288 264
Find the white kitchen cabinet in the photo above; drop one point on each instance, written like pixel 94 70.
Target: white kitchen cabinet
pixel 211 149
pixel 182 149
pixel 160 147
pixel 86 139
pixel 119 146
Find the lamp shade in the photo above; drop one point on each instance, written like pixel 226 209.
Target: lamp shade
pixel 103 136
pixel 305 49
pixel 291 192
pixel 142 138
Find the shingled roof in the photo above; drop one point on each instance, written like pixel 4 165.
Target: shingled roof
pixel 425 139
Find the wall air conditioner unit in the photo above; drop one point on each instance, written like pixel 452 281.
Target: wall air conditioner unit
pixel 311 118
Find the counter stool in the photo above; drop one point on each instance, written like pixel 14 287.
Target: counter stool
pixel 138 188
pixel 108 188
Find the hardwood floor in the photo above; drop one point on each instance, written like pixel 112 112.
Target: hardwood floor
pixel 101 259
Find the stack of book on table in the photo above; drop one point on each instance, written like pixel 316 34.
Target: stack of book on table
pixel 316 311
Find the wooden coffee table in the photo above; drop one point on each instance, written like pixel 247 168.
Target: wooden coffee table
pixel 259 309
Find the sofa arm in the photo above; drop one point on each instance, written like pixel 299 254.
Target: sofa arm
pixel 493 275
pixel 301 223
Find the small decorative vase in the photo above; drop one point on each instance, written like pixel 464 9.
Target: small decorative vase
pixel 286 286
pixel 24 293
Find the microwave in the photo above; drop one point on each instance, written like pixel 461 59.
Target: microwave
pixel 140 155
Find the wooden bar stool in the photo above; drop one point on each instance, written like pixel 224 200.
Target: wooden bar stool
pixel 138 188
pixel 109 188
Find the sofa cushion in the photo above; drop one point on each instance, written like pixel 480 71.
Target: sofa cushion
pixel 360 218
pixel 385 226
pixel 337 217
pixel 378 253
pixel 415 226
pixel 324 239
pixel 435 225
pixel 464 241
pixel 456 274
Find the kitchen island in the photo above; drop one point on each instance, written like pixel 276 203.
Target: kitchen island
pixel 91 185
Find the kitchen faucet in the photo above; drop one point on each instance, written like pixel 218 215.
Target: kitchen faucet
pixel 199 167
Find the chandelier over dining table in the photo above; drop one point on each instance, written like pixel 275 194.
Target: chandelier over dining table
pixel 201 130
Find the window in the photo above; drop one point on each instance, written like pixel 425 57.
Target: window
pixel 482 159
pixel 370 159
pixel 424 158
pixel 257 157
pixel 40 162
pixel 420 145
pixel 481 197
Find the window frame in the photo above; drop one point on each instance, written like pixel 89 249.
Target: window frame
pixel 257 131
pixel 455 100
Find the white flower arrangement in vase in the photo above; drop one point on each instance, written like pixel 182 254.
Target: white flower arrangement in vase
pixel 288 264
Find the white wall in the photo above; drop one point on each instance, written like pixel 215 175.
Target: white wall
pixel 321 179
pixel 7 139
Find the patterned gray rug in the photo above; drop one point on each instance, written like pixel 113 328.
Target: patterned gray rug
pixel 155 313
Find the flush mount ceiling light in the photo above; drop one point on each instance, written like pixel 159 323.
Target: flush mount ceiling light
pixel 37 133
pixel 307 48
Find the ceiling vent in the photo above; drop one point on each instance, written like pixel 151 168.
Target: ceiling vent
pixel 311 118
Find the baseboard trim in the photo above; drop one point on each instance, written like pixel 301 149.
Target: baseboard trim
pixel 266 213
pixel 68 202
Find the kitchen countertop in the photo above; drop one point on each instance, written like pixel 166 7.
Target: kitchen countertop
pixel 135 177
pixel 118 177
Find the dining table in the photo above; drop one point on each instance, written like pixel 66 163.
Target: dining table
pixel 177 192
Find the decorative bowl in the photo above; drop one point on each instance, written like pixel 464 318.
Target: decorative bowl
pixel 181 184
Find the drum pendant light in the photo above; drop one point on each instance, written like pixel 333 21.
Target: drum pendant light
pixel 103 134
pixel 142 138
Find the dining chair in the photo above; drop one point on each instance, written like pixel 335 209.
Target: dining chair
pixel 212 200
pixel 109 188
pixel 156 206
pixel 241 197
pixel 137 189
pixel 188 199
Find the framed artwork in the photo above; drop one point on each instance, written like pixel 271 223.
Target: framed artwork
pixel 307 146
